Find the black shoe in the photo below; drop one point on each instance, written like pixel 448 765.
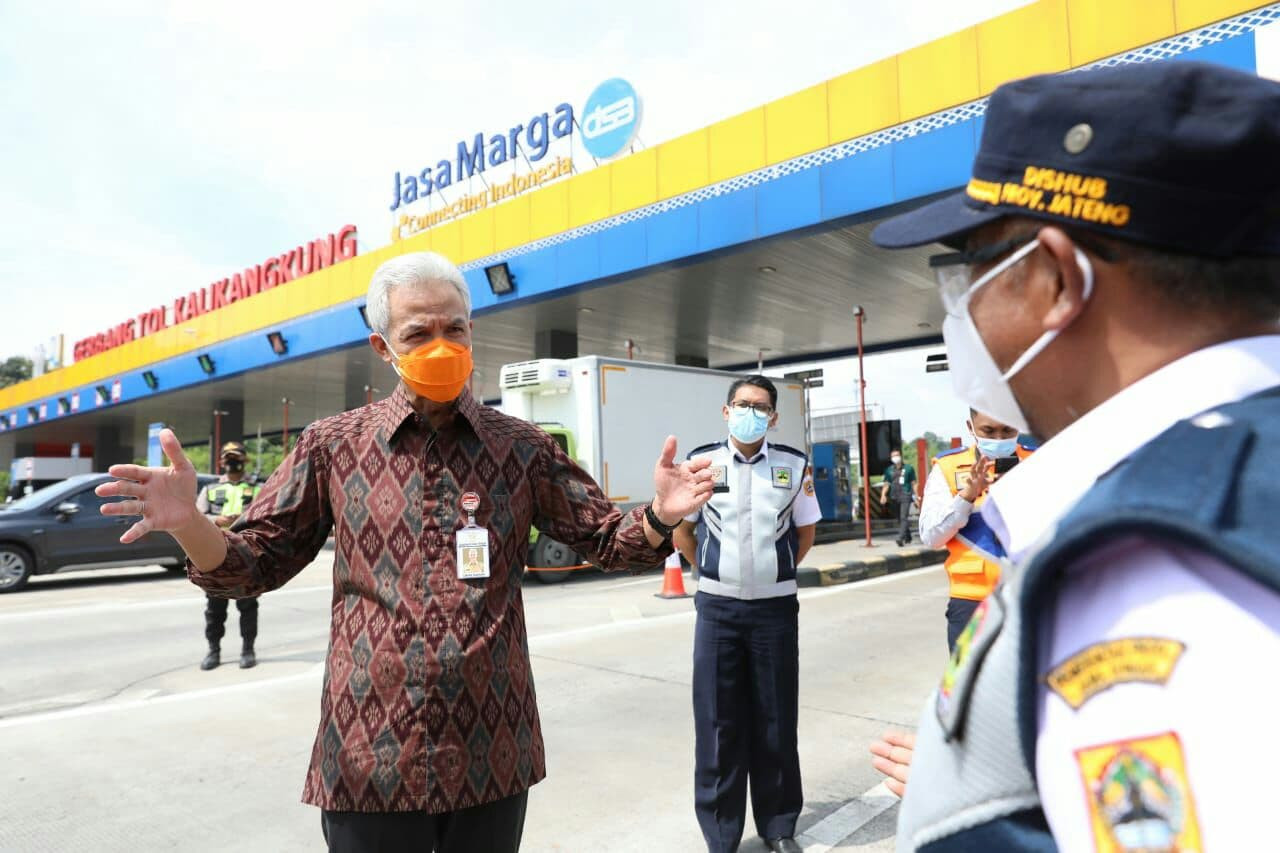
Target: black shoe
pixel 784 845
pixel 247 659
pixel 211 660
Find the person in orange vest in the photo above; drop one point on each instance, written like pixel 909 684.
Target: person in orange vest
pixel 957 485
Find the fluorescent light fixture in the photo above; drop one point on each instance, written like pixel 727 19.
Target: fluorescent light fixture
pixel 501 281
pixel 206 364
pixel 279 345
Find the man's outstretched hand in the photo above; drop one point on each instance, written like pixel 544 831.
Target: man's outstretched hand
pixel 893 754
pixel 164 497
pixel 681 488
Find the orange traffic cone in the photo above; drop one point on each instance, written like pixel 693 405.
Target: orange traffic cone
pixel 672 578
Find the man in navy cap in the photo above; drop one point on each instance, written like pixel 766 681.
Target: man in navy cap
pixel 1114 288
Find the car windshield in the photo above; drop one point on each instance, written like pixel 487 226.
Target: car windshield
pixel 41 496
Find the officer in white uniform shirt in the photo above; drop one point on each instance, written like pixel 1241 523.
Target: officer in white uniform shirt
pixel 1117 292
pixel 749 540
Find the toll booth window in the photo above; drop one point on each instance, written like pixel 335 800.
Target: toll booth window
pixel 822 473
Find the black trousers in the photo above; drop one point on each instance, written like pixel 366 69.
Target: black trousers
pixel 959 612
pixel 746 684
pixel 491 828
pixel 904 520
pixel 215 619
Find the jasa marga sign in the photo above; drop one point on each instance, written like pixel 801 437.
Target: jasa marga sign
pixel 474 155
pixel 612 116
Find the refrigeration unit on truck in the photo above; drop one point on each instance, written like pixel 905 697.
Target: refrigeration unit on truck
pixel 30 473
pixel 612 416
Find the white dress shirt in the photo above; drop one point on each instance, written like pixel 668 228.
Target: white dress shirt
pixel 749 535
pixel 941 515
pixel 1221 697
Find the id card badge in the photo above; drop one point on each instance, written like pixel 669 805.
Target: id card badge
pixel 472 543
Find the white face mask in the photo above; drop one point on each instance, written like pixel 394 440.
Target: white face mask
pixel 975 377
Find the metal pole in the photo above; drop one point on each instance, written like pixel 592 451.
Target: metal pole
pixel 217 440
pixel 922 472
pixel 859 314
pixel 808 423
pixel 285 401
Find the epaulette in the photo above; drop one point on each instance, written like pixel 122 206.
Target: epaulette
pixel 715 445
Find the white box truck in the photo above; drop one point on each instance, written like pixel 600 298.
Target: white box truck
pixel 612 416
pixel 28 473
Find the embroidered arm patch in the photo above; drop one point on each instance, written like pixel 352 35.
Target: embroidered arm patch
pixel 1149 660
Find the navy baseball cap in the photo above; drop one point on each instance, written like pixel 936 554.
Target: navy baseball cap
pixel 1183 156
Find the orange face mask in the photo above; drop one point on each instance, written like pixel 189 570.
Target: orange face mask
pixel 437 370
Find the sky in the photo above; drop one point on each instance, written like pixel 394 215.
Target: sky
pixel 150 148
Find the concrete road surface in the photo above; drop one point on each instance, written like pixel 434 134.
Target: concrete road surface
pixel 112 739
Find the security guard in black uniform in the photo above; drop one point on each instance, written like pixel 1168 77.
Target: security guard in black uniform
pixel 225 500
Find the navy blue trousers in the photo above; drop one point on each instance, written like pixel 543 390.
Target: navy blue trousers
pixel 959 612
pixel 746 684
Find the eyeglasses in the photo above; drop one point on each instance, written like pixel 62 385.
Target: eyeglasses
pixel 762 409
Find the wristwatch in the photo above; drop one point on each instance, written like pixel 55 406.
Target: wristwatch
pixel 665 530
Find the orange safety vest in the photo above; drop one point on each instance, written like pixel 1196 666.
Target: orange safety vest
pixel 971 573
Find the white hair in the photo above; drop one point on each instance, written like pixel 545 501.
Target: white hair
pixel 414 268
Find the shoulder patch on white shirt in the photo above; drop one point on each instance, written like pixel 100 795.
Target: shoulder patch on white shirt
pixel 1149 660
pixel 1139 795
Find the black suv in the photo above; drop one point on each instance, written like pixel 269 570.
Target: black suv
pixel 59 528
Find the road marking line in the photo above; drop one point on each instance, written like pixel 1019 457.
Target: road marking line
pixel 847 819
pixel 130 704
pixel 107 607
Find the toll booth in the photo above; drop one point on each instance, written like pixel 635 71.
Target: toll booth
pixel 831 481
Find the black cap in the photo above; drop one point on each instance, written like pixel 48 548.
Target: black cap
pixel 1184 156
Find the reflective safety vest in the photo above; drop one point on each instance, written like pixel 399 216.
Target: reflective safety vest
pixel 973 553
pixel 231 498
